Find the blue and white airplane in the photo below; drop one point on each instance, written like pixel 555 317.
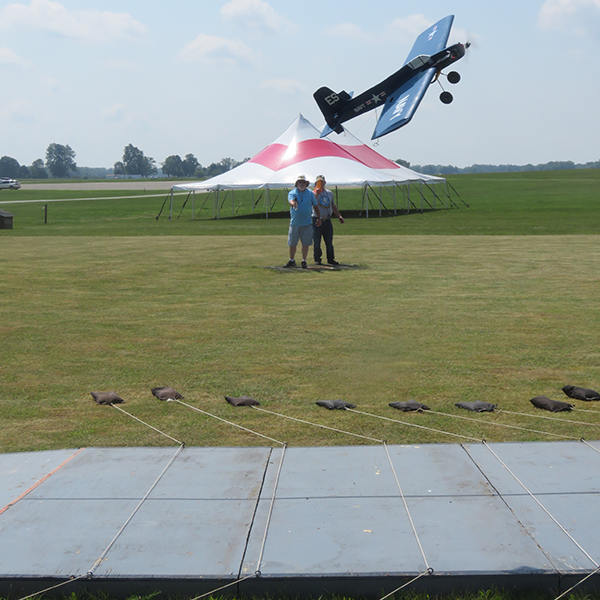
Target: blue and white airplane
pixel 401 93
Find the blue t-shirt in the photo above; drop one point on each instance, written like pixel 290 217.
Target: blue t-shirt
pixel 306 200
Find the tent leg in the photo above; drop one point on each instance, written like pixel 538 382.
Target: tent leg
pixel 171 209
pixel 267 196
pixel 394 193
pixel 252 201
pixel 380 192
pixel 232 205
pixel 193 205
pixel 367 201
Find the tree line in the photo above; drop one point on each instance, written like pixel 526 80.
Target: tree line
pixel 60 163
pixel 452 170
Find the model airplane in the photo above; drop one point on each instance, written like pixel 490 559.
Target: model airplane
pixel 401 93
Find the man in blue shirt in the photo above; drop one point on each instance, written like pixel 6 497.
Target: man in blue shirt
pixel 302 201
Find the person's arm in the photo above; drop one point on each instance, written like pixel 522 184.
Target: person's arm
pixel 318 211
pixel 292 200
pixel 337 212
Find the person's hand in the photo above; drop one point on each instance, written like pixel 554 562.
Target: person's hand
pixel 319 222
pixel 294 203
pixel 342 220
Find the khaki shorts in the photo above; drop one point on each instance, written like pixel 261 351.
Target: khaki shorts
pixel 303 233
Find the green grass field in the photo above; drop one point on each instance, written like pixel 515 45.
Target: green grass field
pixel 497 302
pixel 457 314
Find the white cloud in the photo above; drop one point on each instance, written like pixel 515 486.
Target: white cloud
pixel 576 16
pixel 89 24
pixel 255 15
pixel 350 31
pixel 115 113
pixel 18 111
pixel 283 86
pixel 209 48
pixel 408 28
pixel 9 58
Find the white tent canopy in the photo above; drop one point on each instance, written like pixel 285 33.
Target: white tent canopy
pixel 342 159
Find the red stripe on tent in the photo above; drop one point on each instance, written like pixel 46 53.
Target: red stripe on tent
pixel 278 156
pixel 40 481
pixel 369 157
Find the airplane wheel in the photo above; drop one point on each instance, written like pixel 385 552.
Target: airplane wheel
pixel 453 77
pixel 446 97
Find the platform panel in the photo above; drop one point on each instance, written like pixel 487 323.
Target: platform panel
pixel 22 470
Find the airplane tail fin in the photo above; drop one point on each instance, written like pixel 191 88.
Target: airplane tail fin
pixel 331 105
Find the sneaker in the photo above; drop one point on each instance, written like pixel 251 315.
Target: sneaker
pixel 335 263
pixel 290 263
pixel 304 265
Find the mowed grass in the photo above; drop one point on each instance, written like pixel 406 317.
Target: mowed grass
pixel 531 203
pixel 440 319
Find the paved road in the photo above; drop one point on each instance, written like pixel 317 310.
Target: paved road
pixel 102 185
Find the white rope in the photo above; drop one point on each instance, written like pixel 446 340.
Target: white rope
pixel 221 588
pixel 364 437
pixel 590 446
pixel 54 587
pixel 264 540
pixel 230 423
pixel 509 412
pixel 106 551
pixel 435 412
pixel 406 508
pixel 466 437
pixel 597 412
pixel 578 583
pixel 428 572
pixel 147 425
pixel 540 504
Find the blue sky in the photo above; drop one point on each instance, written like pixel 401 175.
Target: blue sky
pixel 219 78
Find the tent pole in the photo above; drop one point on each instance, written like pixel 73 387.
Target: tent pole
pixel 252 201
pixel 446 192
pixel 218 205
pixel 367 201
pixel 394 193
pixel 421 192
pixel 171 209
pixel 232 205
pixel 434 197
pixel 336 196
pixel 380 194
pixel 193 205
pixel 267 200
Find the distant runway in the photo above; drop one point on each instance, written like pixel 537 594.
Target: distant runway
pixel 103 185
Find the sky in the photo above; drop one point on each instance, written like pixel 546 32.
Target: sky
pixel 226 78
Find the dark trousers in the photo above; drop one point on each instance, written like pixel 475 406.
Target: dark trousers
pixel 325 232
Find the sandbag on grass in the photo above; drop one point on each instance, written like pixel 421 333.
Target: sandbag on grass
pixel 166 393
pixel 552 405
pixel 242 401
pixel 579 393
pixel 107 398
pixel 335 404
pixel 409 406
pixel 477 406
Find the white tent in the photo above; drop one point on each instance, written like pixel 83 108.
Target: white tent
pixel 342 159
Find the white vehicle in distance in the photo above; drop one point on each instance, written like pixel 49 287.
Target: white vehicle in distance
pixel 9 184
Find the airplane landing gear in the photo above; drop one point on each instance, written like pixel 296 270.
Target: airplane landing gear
pixel 446 97
pixel 453 77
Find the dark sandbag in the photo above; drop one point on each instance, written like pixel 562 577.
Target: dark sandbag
pixel 335 404
pixel 552 405
pixel 477 406
pixel 107 398
pixel 579 393
pixel 166 393
pixel 409 406
pixel 242 401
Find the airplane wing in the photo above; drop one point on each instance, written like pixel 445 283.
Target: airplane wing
pixel 402 102
pixel 432 40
